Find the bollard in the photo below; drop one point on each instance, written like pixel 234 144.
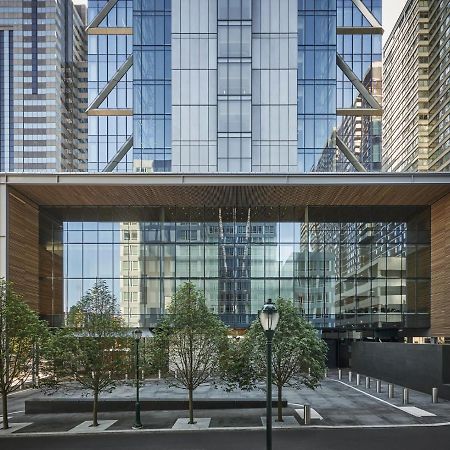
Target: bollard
pixel 307 414
pixel 350 377
pixel 358 379
pixel 339 374
pixel 434 395
pixel 391 390
pixel 378 386
pixel 405 396
pixel 126 377
pixel 367 383
pixel 325 373
pixel 159 374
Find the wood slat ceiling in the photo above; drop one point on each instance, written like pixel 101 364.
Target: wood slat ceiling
pixel 213 195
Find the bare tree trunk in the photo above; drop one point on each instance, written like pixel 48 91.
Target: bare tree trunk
pixel 5 410
pixel 95 409
pixel 191 407
pixel 280 404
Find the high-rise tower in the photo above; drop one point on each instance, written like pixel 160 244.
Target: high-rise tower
pixel 43 80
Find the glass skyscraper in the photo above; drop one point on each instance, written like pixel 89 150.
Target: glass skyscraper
pixel 238 86
pixel 280 86
pixel 213 86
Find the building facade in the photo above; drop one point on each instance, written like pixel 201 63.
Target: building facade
pixel 201 86
pixel 229 86
pixel 257 90
pixel 416 129
pixel 43 76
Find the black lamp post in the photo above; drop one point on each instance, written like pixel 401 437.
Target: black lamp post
pixel 269 317
pixel 137 334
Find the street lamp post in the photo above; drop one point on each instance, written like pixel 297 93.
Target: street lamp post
pixel 137 334
pixel 269 317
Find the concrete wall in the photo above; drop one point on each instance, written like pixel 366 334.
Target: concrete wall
pixel 416 366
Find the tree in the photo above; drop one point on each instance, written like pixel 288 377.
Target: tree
pixel 92 349
pixel 20 332
pixel 189 342
pixel 298 357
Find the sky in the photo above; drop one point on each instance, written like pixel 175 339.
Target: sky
pixel 391 12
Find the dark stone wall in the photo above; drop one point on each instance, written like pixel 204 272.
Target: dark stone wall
pixel 416 366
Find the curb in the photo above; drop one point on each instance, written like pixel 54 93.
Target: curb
pixel 224 429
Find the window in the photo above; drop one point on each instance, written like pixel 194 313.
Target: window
pixel 234 41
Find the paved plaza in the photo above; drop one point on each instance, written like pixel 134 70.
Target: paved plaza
pixel 337 403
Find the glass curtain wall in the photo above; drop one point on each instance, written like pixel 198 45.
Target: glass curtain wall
pixel 152 86
pixel 338 271
pixel 363 54
pixel 107 51
pixel 316 90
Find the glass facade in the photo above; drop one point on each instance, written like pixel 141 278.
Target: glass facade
pixel 316 85
pixel 109 48
pixel 235 86
pixel 152 75
pixel 362 133
pixel 349 268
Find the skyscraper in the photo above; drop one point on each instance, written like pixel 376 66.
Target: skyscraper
pixel 234 85
pixel 42 86
pixel 416 95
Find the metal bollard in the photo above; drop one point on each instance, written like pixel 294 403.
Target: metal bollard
pixel 350 377
pixel 358 379
pixel 378 386
pixel 367 383
pixel 405 396
pixel 391 390
pixel 434 395
pixel 159 374
pixel 307 414
pixel 340 374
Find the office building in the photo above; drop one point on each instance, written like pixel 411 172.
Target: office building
pixel 214 122
pixel 202 86
pixel 43 79
pixel 416 130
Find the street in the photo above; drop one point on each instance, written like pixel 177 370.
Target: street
pixel 312 439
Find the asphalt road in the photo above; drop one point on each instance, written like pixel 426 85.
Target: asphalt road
pixel 313 439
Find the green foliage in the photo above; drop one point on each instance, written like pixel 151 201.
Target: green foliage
pixel 237 369
pixel 93 349
pixel 21 332
pixel 190 341
pixel 298 355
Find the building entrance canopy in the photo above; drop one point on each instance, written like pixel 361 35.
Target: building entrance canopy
pixel 219 190
pixel 354 251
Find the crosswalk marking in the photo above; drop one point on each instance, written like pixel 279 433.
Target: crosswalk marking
pixel 417 412
pixel 314 414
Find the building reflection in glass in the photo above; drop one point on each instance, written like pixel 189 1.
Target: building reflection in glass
pixel 343 267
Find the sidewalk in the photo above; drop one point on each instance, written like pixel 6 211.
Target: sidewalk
pixel 335 404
